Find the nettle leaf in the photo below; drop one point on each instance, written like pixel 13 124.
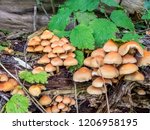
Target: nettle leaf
pixel 146 16
pixel 120 18
pixel 82 38
pixel 82 5
pixel 85 17
pixel 60 20
pixel 61 33
pixel 80 59
pixel 110 3
pixel 103 30
pixel 41 77
pixel 131 36
pixel 17 104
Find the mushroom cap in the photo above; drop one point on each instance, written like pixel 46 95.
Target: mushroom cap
pixel 6 86
pixel 54 39
pixel 13 82
pixel 145 60
pixel 73 102
pixel 95 72
pixel 59 98
pixel 61 43
pixel 46 35
pixel 35 90
pixel 67 47
pixel 30 49
pixel 70 61
pixel 128 59
pixel 38 48
pixel 97 61
pixel 54 44
pixel 45 100
pixel 57 61
pixel 34 41
pixel 50 68
pixel 73 49
pixel 55 109
pixel 47 49
pixel 65 40
pixel 127 69
pixel 141 92
pixel 44 60
pixel 3 78
pixel 45 42
pixel 103 89
pixel 108 71
pixel 124 49
pixel 113 58
pixel 110 46
pixel 37 70
pixel 51 55
pixel 94 91
pixel 136 76
pixel 65 109
pixel 99 82
pixel 61 105
pixel 87 61
pixel 71 54
pixel 63 56
pixel 58 50
pixel 83 74
pixel 98 52
pixel 66 100
pixel 48 110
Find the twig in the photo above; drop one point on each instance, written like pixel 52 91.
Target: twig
pixel 34 18
pixel 53 6
pixel 76 98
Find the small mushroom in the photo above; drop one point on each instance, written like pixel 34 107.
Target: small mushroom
pixel 34 41
pixel 65 40
pixel 6 86
pixel 46 35
pixel 57 62
pixel 3 78
pixel 73 102
pixel 66 100
pixel 54 39
pixel 71 54
pixel 128 59
pixel 45 43
pixel 67 47
pixel 13 82
pixel 110 46
pixel 51 55
pixel 58 50
pixel 48 110
pixel 70 61
pixel 82 75
pixel 59 99
pixel 128 69
pixel 136 76
pixel 94 91
pixel 30 49
pixel 35 90
pixel 55 109
pixel 66 109
pixel 47 49
pixel 145 60
pixel 141 92
pixel 98 52
pixel 97 61
pixel 38 48
pixel 54 44
pixel 50 68
pixel 37 70
pixel 44 60
pixel 61 105
pixel 45 100
pixel 87 61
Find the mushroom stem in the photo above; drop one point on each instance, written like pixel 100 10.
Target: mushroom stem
pixel 52 74
pixel 57 69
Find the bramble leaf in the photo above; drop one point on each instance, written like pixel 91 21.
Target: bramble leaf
pixel 17 104
pixel 131 36
pixel 80 59
pixel 146 16
pixel 103 30
pixel 120 18
pixel 85 17
pixel 110 3
pixel 82 38
pixel 61 33
pixel 60 20
pixel 34 78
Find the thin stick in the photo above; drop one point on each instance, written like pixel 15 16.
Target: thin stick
pixel 53 6
pixel 34 18
pixel 76 98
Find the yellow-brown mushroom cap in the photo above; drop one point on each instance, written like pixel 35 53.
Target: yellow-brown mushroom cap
pixel 55 109
pixel 46 35
pixel 128 59
pixel 113 58
pixel 45 100
pixel 45 42
pixel 65 40
pixel 110 46
pixel 97 61
pixel 47 49
pixel 50 68
pixel 30 49
pixel 35 90
pixel 66 100
pixel 34 41
pixel 44 60
pixel 57 61
pixel 98 52
pixel 37 70
pixel 54 39
pixel 94 90
pixel 108 71
pixel 59 99
pixel 61 105
pixel 3 78
pixel 38 48
pixel 128 69
pixel 67 47
pixel 136 76
pixel 83 74
pixel 58 50
pixel 145 60
pixel 70 61
pixel 51 55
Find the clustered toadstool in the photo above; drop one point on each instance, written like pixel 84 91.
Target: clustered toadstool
pixel 59 104
pixel 10 85
pixel 57 51
pixel 108 64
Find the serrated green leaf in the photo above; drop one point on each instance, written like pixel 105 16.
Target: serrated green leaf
pixel 110 3
pixel 120 18
pixel 103 30
pixel 34 78
pixel 131 36
pixel 61 33
pixel 82 38
pixel 82 5
pixel 146 16
pixel 17 104
pixel 85 17
pixel 147 4
pixel 60 20
pixel 80 59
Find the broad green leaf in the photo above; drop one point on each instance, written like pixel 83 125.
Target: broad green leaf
pixel 131 36
pixel 85 17
pixel 60 20
pixel 61 33
pixel 82 38
pixel 17 104
pixel 41 77
pixel 110 3
pixel 103 30
pixel 146 16
pixel 80 59
pixel 81 5
pixel 147 4
pixel 120 18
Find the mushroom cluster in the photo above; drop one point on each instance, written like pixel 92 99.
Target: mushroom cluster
pixel 58 104
pixel 10 85
pixel 57 51
pixel 108 64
